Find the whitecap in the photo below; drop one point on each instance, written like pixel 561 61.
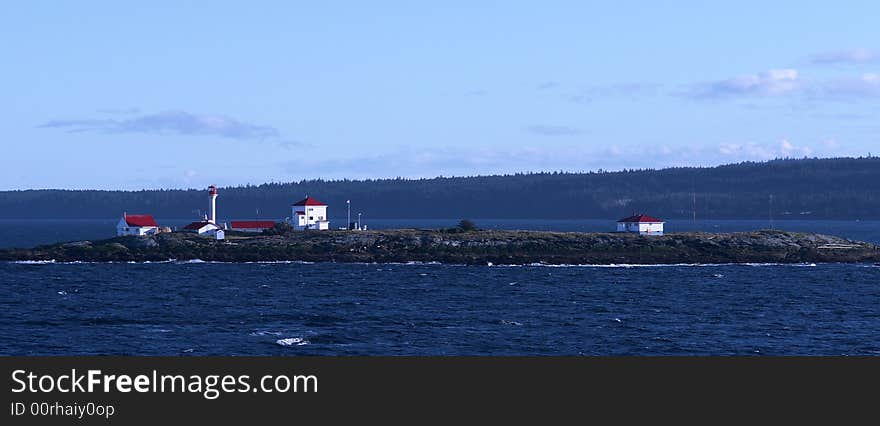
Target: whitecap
pixel 34 262
pixel 265 333
pixel 652 265
pixel 292 341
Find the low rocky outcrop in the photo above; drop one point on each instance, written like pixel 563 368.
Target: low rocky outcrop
pixel 472 247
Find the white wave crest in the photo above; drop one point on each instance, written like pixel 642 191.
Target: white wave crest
pixel 292 341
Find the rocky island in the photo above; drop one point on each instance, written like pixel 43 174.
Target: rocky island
pixel 464 247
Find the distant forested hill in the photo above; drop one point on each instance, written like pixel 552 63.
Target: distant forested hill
pixel 840 188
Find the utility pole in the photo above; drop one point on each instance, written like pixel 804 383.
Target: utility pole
pixel 348 223
pixel 770 210
pixel 694 201
pixel 359 221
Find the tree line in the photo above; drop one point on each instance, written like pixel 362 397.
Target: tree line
pixel 837 188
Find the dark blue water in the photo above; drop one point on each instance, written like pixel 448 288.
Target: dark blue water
pixel 335 309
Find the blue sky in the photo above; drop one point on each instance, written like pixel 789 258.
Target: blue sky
pixel 162 95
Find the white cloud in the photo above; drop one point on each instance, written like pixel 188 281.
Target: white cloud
pixel 788 82
pixel 769 83
pixel 415 163
pixel 787 149
pixel 630 91
pixel 846 56
pixel 830 143
pixel 759 152
pixel 865 86
pixel 552 130
pixel 747 151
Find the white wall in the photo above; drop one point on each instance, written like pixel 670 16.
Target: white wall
pixel 641 228
pixel 651 228
pixel 315 217
pixel 136 230
pixel 208 229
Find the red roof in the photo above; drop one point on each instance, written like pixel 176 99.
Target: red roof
pixel 643 218
pixel 197 225
pixel 308 201
pixel 140 220
pixel 299 212
pixel 252 224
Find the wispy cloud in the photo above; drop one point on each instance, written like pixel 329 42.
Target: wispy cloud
pixel 122 111
pixel 170 122
pixel 864 86
pixel 846 56
pixel 768 83
pixel 549 130
pixel 618 90
pixel 547 85
pixel 757 151
pixel 788 82
pixel 462 161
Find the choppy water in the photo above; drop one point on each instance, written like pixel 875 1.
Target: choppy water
pixel 368 309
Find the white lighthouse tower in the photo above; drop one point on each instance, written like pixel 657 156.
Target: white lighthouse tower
pixel 208 226
pixel 212 192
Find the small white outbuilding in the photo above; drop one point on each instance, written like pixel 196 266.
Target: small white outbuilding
pixel 206 228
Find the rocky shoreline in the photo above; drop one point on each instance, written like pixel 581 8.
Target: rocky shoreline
pixel 471 247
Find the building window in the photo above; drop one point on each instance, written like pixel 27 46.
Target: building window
pixel 311 218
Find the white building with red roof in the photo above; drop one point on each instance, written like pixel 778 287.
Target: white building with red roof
pixel 641 224
pixel 309 213
pixel 203 227
pixel 136 224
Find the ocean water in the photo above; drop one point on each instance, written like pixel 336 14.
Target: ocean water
pixel 431 309
pixel 197 308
